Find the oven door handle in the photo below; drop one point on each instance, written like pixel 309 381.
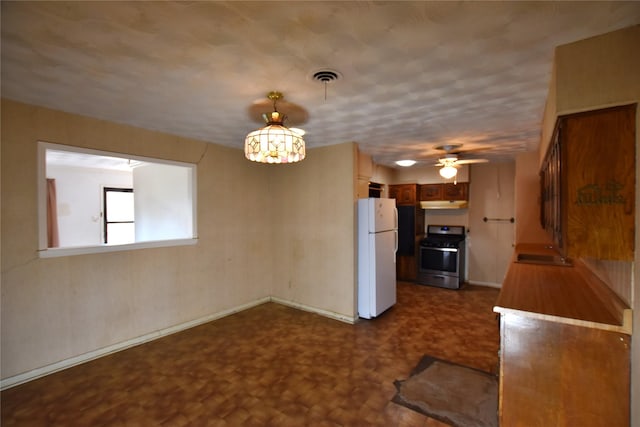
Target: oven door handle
pixel 441 249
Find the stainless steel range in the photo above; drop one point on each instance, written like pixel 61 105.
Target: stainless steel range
pixel 441 257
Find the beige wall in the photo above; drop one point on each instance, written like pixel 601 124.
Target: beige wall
pixel 313 236
pixel 595 73
pixel 58 309
pixel 598 72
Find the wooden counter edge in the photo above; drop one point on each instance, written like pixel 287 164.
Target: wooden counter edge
pixel 625 328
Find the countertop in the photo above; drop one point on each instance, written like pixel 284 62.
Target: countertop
pixel 564 294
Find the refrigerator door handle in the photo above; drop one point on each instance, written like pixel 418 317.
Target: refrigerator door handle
pixel 395 250
pixel 395 212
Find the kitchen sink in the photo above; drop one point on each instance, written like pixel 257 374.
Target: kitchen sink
pixel 544 259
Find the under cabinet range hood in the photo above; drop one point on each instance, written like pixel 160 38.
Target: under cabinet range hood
pixel 444 204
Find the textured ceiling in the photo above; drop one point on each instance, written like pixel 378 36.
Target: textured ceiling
pixel 413 75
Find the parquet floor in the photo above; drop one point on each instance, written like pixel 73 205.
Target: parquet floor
pixel 270 365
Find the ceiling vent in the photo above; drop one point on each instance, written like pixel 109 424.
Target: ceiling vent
pixel 325 76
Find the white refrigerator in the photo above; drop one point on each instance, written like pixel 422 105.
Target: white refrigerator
pixel 377 246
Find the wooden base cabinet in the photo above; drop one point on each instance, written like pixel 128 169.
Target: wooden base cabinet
pixel 406 255
pixel 406 268
pixel 562 375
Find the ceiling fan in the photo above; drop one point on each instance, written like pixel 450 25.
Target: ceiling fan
pixel 450 161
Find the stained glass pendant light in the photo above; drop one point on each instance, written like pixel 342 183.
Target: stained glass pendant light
pixel 274 143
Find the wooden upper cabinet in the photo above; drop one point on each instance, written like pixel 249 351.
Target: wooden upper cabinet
pixel 405 194
pixel 459 191
pixel 431 192
pixel 447 191
pixel 588 184
pixel 413 194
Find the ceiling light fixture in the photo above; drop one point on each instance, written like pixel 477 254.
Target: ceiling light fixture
pixel 448 172
pixel 405 163
pixel 274 143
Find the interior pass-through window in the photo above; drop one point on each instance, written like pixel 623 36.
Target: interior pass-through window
pixel 93 201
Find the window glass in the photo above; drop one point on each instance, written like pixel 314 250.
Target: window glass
pixel 120 233
pixel 119 204
pixel 119 218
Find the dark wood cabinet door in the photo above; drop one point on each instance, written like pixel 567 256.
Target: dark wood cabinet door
pixel 405 194
pixel 430 192
pixel 459 191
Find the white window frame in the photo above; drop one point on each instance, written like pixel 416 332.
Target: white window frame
pixel 46 252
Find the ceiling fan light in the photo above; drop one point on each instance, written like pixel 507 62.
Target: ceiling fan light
pixel 405 163
pixel 448 172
